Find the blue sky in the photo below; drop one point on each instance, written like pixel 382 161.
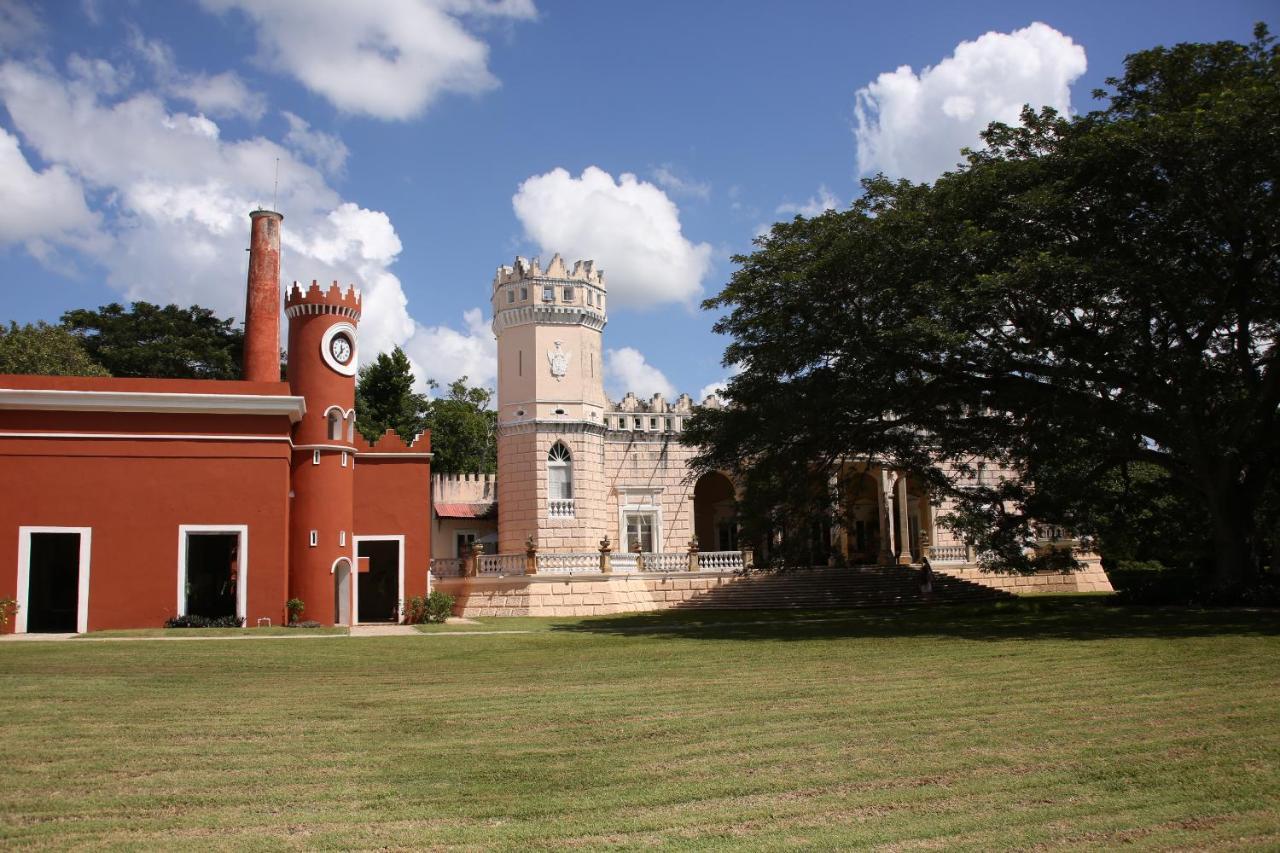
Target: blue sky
pixel 424 142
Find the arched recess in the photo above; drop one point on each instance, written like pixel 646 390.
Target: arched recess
pixel 559 472
pixel 342 591
pixel 862 524
pixel 714 515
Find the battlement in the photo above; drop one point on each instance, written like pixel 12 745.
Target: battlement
pixel 464 488
pixel 391 442
pixel 657 404
pixel 315 300
pixel 526 270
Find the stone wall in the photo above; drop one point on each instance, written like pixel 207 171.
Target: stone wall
pixel 522 489
pixel 634 463
pixel 1092 578
pixel 578 596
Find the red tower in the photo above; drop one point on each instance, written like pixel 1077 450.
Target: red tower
pixel 262 300
pixel 322 370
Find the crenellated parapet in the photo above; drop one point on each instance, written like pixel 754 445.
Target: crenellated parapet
pixel 528 270
pixel 391 442
pixel 316 300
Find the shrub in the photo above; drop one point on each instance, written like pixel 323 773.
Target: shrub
pixel 415 610
pixel 8 607
pixel 295 606
pixel 439 606
pixel 310 623
pixel 192 620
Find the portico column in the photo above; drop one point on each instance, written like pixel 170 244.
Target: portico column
pixel 904 527
pixel 885 515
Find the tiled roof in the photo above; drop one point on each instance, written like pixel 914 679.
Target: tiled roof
pixel 466 510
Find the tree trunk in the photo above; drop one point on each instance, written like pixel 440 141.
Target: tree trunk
pixel 1235 537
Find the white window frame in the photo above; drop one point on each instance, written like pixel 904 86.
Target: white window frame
pixel 24 575
pixel 566 465
pixel 242 563
pixel 355 571
pixel 640 499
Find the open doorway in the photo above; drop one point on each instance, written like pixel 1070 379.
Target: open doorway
pixel 379 590
pixel 212 574
pixel 53 583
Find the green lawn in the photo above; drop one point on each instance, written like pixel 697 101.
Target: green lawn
pixel 1061 723
pixel 275 631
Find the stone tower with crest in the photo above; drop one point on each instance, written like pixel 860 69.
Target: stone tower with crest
pixel 551 405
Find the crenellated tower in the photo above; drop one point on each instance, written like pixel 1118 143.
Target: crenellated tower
pixel 551 402
pixel 322 370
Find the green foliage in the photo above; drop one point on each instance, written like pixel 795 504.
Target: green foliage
pixel 385 398
pixel 463 430
pixel 8 609
pixel 461 422
pixel 439 606
pixel 162 342
pixel 193 621
pixel 416 610
pixel 295 606
pixel 47 350
pixel 1090 301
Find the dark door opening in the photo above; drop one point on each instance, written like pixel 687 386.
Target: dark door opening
pixel 53 583
pixel 211 574
pixel 380 586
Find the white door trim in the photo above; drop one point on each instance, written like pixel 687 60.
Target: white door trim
pixel 24 574
pixel 242 563
pixel 355 542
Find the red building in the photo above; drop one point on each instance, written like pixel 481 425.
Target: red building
pixel 128 501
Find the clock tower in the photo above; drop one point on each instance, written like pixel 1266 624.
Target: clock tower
pixel 551 405
pixel 322 370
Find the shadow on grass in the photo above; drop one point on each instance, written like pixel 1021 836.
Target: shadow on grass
pixel 1044 617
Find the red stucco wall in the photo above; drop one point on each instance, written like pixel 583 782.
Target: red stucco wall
pixel 393 497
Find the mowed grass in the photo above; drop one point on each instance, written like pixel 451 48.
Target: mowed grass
pixel 1065 723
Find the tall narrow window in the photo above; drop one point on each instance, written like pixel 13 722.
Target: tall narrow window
pixel 520 363
pixel 335 426
pixel 559 473
pixel 548 293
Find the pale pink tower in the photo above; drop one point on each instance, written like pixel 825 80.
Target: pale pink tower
pixel 262 302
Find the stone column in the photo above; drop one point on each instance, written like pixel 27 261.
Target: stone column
pixel 885 557
pixel 471 567
pixel 693 554
pixel 904 528
pixel 606 558
pixel 530 556
pixel 838 540
pixel 748 557
pixel 635 549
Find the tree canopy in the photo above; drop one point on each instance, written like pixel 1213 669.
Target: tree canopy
pixel 44 349
pixel 162 342
pixel 462 422
pixel 1092 300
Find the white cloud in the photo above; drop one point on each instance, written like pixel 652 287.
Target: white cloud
pixel 38 206
pixel 629 227
pixel 718 386
pixel 626 370
pixel 914 126
pixel 323 149
pixel 220 95
pixel 667 178
pixel 444 354
pixel 815 206
pixel 172 220
pixel 389 59
pixel 19 25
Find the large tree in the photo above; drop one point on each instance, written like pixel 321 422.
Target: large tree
pixel 1084 299
pixel 44 349
pixel 159 341
pixel 462 422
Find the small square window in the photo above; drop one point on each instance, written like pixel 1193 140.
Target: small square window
pixel 637 423
pixel 668 424
pixel 548 293
pixel 511 296
pixel 524 294
pixel 591 297
pixel 568 294
pixel 653 423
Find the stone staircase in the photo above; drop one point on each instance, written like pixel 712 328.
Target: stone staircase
pixel 857 586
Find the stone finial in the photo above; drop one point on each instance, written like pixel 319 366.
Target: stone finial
pixel 477 548
pixel 530 546
pixel 605 545
pixel 693 544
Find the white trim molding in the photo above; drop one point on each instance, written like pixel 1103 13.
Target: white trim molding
pixel 355 545
pixel 152 401
pixel 348 369
pixel 242 563
pixel 24 575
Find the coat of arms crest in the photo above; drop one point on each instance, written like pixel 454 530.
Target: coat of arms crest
pixel 559 360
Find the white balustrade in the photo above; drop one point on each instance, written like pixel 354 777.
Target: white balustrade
pixel 500 564
pixel 623 563
pixel 720 561
pixel 560 508
pixel 569 564
pixel 949 554
pixel 676 561
pixel 446 567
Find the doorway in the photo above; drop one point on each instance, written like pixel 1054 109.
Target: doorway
pixel 379 590
pixel 53 580
pixel 212 564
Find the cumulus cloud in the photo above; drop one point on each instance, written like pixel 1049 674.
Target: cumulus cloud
pixel 220 95
pixel 626 370
pixel 323 149
pixel 19 25
pixel 390 60
pixel 718 386
pixel 667 178
pixel 444 354
pixel 815 206
pixel 174 195
pixel 914 125
pixel 38 206
pixel 628 226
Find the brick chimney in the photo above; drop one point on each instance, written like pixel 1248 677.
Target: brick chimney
pixel 262 302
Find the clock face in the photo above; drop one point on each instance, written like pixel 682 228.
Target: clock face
pixel 340 348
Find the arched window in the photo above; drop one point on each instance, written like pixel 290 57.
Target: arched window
pixel 335 425
pixel 559 473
